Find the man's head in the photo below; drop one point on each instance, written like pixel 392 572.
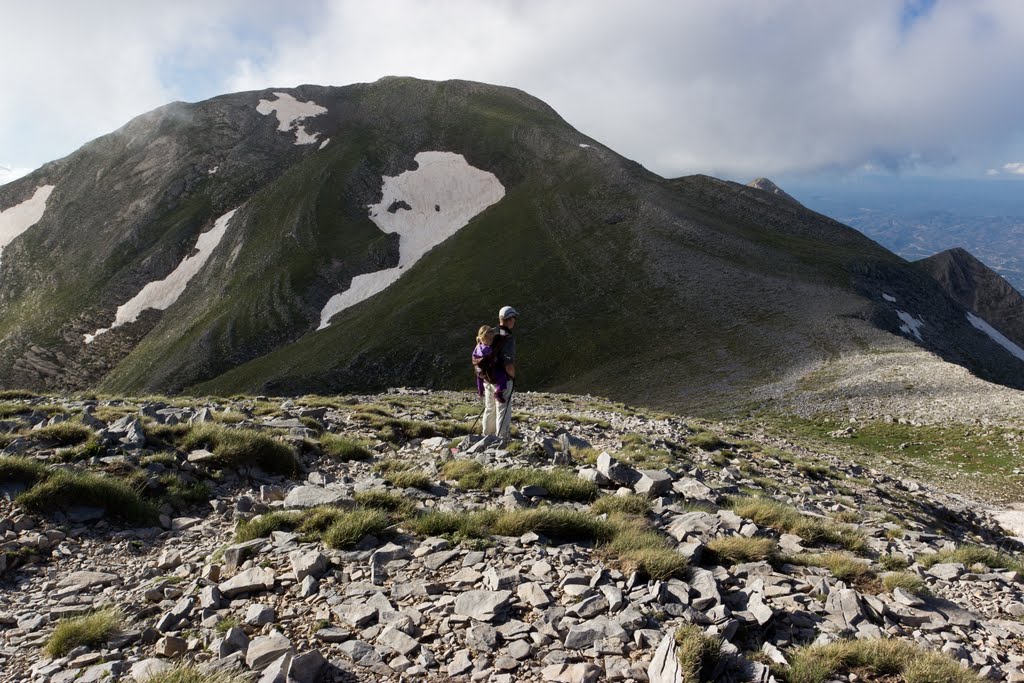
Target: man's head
pixel 507 316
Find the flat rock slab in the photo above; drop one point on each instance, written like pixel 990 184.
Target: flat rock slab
pixel 87 579
pixel 266 649
pixel 253 580
pixel 482 605
pixel 302 497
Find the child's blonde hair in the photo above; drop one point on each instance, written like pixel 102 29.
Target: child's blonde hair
pixel 485 335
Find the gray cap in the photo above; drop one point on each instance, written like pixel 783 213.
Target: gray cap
pixel 507 312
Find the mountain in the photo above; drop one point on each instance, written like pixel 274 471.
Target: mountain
pixel 979 289
pixel 321 239
pixel 771 188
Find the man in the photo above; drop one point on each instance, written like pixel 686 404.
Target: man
pixel 498 413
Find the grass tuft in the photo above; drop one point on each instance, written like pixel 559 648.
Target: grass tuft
pixel 351 527
pixel 698 653
pixel 908 581
pixel 707 441
pixel 344 448
pixel 879 659
pixel 971 555
pixel 781 517
pixel 20 469
pixel 737 549
pixel 561 484
pixel 844 567
pixel 190 674
pixel 89 630
pixel 264 525
pixel 386 501
pixel 64 488
pixel 63 434
pixel 236 447
pixel 632 504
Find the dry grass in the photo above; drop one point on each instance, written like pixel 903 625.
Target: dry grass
pixel 781 517
pixel 344 448
pixel 560 484
pixel 237 447
pixel 738 549
pixel 908 581
pixel 842 566
pixel 974 554
pixel 879 659
pixel 698 653
pixel 90 630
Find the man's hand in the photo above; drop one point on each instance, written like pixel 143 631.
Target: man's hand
pixel 510 370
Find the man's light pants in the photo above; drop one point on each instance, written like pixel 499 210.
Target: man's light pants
pixel 497 415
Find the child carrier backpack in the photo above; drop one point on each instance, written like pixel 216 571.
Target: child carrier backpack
pixel 489 367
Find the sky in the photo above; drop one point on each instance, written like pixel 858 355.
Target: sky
pixel 733 88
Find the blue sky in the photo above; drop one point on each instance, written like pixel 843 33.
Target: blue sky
pixel 734 88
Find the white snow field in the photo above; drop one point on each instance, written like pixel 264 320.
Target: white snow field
pixel 911 325
pixel 444 193
pixel 290 113
pixel 21 217
pixel 160 294
pixel 889 297
pixel 995 335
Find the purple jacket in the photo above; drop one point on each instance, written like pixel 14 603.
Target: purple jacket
pixel 482 351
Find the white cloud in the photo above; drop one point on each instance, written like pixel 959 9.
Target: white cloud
pixel 1015 167
pixel 732 88
pixel 10 173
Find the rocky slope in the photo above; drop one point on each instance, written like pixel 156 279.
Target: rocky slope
pixel 771 188
pixel 979 289
pixel 386 550
pixel 354 238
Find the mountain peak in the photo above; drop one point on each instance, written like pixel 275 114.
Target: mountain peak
pixel 771 188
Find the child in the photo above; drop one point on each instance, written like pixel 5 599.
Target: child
pixel 487 364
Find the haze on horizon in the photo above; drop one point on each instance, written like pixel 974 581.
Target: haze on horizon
pixel 733 89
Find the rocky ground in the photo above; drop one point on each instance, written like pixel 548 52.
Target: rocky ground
pixel 217 577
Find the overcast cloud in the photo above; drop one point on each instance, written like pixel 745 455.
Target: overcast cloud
pixel 737 89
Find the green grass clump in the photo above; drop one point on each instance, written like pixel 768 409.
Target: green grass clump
pixel 64 488
pixel 738 549
pixel 410 479
pixel 908 581
pixel 707 441
pixel 561 484
pixel 190 674
pixel 181 494
pixel 460 525
pixel 892 563
pixel 264 525
pixel 89 630
pixel 350 527
pixel 236 447
pixel 698 653
pixel 781 517
pixel 14 468
pixel 973 554
pixel 812 470
pixel 844 567
pixel 558 524
pixel 344 448
pixel 226 624
pixel 63 434
pixel 879 658
pixel 386 501
pixel 632 504
pixel 640 547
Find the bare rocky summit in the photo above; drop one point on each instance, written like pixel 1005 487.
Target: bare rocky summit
pixel 602 544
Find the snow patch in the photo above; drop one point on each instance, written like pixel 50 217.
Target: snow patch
pixel 995 335
pixel 213 171
pixel 889 297
pixel 443 194
pixel 911 325
pixel 160 294
pixel 21 217
pixel 584 146
pixel 324 143
pixel 290 112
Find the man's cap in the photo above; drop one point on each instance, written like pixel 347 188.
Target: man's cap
pixel 507 312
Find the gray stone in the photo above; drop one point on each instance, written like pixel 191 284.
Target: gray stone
pixel 277 670
pixel 87 579
pixel 533 594
pixel 307 563
pixel 265 649
pixel 905 598
pixel 147 668
pixel 572 673
pixel 947 571
pixel 845 608
pixel 258 615
pixel 235 640
pixel 170 646
pixel 302 497
pixel 307 667
pixel 588 608
pixel 653 483
pixel 482 637
pixel 253 580
pixel 482 605
pixel 616 471
pixel 461 663
pixel 664 666
pixel 586 633
pixel 359 652
pixel 333 635
pixel 695 523
pixel 235 555
pixel 396 640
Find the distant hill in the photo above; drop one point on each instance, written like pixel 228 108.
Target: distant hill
pixel 352 238
pixel 980 289
pixel 771 188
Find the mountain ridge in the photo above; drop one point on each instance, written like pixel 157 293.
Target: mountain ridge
pixel 678 290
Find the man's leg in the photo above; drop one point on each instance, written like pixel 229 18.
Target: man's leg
pixel 505 414
pixel 489 419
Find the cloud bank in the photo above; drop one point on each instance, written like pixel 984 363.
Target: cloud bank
pixel 730 88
